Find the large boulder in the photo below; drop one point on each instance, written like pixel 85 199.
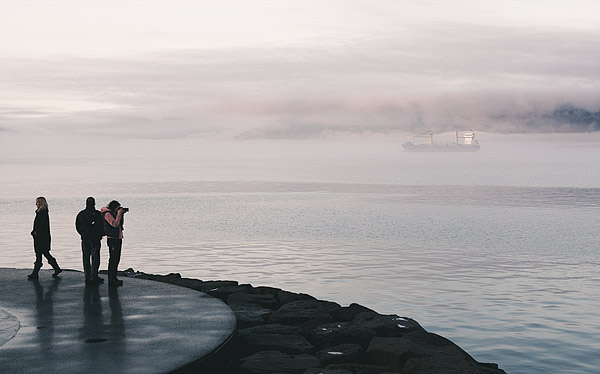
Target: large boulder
pixel 420 352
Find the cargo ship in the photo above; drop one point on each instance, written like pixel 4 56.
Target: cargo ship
pixel 465 142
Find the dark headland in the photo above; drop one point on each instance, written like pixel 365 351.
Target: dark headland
pixel 284 332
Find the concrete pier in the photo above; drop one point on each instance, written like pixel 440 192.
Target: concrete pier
pixel 62 325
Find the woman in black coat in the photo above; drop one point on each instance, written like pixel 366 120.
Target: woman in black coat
pixel 41 239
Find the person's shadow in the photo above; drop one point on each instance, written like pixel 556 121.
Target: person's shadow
pixel 117 324
pixel 93 320
pixel 116 327
pixel 99 335
pixel 44 314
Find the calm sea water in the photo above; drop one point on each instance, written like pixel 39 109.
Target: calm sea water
pixel 497 251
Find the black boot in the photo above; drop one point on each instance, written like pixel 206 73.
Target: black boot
pixel 57 269
pixel 34 273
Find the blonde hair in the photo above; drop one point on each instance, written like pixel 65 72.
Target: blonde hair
pixel 43 202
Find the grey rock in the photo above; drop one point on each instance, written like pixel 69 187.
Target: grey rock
pixel 169 278
pixel 291 344
pixel 265 301
pixel 387 325
pixel 283 297
pixel 326 371
pixel 348 313
pixel 223 292
pixel 363 368
pixel 340 354
pixel 194 284
pixel 202 286
pixel 211 285
pixel 264 290
pixel 268 362
pixel 248 315
pixel 271 329
pixel 308 313
pixel 329 305
pixel 337 333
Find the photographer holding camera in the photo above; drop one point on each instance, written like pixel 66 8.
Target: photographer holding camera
pixel 113 216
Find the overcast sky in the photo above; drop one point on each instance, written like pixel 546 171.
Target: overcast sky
pixel 240 69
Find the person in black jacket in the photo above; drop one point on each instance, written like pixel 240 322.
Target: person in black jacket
pixel 91 228
pixel 41 239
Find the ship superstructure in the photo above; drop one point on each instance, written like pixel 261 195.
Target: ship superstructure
pixel 465 142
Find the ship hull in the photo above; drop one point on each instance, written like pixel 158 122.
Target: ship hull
pixel 410 147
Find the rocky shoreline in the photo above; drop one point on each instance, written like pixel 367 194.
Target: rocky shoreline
pixel 284 332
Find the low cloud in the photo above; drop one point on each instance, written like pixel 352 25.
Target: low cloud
pixel 444 78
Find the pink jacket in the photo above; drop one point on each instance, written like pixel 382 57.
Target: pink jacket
pixel 116 222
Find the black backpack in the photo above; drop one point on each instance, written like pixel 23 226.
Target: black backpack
pixel 90 225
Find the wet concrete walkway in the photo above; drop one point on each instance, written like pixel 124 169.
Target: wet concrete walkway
pixel 64 326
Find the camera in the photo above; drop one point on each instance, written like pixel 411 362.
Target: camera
pixel 125 210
